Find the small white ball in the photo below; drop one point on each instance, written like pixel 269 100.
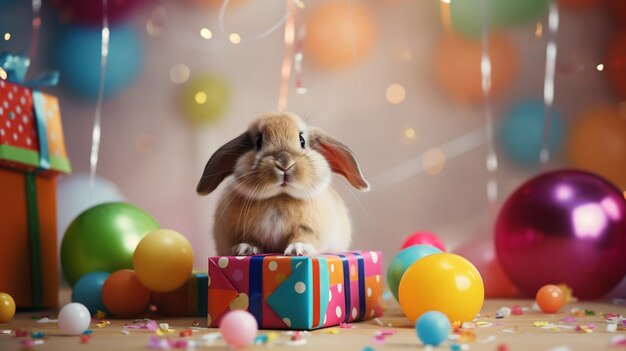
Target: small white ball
pixel 74 318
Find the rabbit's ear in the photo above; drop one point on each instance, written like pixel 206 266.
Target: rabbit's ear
pixel 222 163
pixel 339 157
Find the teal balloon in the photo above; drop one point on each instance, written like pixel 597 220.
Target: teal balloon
pixel 467 15
pixel 403 260
pixel 79 55
pixel 520 134
pixel 103 239
pixel 88 291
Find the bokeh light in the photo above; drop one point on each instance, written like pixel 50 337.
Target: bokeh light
pixel 409 133
pixel 179 73
pixel 434 160
pixel 206 33
pixel 7 36
pixel 234 38
pixel 600 67
pixel 200 97
pixel 395 93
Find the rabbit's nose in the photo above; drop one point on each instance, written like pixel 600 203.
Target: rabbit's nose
pixel 283 161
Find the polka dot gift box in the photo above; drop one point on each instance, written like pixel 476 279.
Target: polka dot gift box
pixel 32 153
pixel 293 292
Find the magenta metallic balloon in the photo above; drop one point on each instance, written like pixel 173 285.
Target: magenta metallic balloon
pixel 566 227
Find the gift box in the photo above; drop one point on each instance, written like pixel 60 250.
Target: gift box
pixel 32 152
pixel 295 292
pixel 190 300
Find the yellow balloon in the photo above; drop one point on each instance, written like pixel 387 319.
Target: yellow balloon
pixel 7 307
pixel 163 260
pixel 443 282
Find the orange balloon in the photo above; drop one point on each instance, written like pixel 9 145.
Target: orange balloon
pixel 334 29
pixel 457 66
pixel 616 63
pixel 579 4
pixel 597 142
pixel 123 295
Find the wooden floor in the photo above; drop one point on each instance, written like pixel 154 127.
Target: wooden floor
pixel 520 332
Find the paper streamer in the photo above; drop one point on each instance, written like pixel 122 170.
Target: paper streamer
pixel 95 136
pixel 548 83
pixel 261 35
pixel 485 71
pixel 36 25
pixel 285 72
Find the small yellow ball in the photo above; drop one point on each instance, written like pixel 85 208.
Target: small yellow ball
pixel 163 260
pixel 7 307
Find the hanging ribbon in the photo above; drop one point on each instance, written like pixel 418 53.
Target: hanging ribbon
pixel 548 83
pixel 485 72
pixel 96 132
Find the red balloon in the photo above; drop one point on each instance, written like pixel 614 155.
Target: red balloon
pixel 90 11
pixel 482 254
pixel 618 9
pixel 424 238
pixel 565 227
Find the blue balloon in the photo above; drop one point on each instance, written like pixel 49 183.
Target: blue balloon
pixel 521 133
pixel 88 291
pixel 79 56
pixel 432 328
pixel 402 261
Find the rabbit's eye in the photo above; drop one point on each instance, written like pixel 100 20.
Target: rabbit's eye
pixel 302 144
pixel 259 141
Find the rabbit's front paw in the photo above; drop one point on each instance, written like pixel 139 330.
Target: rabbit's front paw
pixel 300 249
pixel 245 249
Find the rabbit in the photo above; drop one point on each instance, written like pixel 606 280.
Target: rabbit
pixel 280 199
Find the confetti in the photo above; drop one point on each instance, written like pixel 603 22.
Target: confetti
pixel 503 347
pixel 368 348
pixel 100 314
pixel 541 323
pixel 37 335
pixel 299 342
pixel 103 324
pixel 569 319
pixel 517 310
pixel 468 325
pixel 85 338
pixel 511 330
pixel 164 325
pixel 186 332
pixel 490 338
pixel 125 332
pixel 465 335
pixel 195 324
pixel 296 336
pixel 331 331
pixel 211 338
pixel 20 333
pixel 47 320
pixel 590 312
pixel 345 326
pixel 503 312
pixel 618 340
pixel 611 327
pixel 483 324
pixel 32 342
pixel 584 329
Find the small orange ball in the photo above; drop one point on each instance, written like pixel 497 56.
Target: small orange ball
pixel 123 295
pixel 550 298
pixel 7 307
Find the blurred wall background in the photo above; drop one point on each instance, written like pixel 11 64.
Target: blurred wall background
pixel 421 146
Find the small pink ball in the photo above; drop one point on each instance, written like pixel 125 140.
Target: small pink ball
pixel 424 238
pixel 239 328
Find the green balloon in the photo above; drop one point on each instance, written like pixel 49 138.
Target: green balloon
pixel 103 239
pixel 205 98
pixel 467 15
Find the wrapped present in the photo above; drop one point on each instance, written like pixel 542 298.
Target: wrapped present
pixel 294 292
pixel 32 152
pixel 190 300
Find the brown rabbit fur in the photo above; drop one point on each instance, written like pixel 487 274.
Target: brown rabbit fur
pixel 280 199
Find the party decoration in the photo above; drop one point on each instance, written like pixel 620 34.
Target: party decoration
pixel 550 298
pixel 433 328
pixel 461 78
pixel 521 132
pixel 103 238
pixel 403 260
pixel 124 296
pixel 88 291
pixel 239 328
pixel 466 16
pixel 597 142
pixel 163 260
pixel 424 238
pixel 339 35
pixel 442 282
pixel 615 66
pixel 204 98
pixel 32 154
pixel 7 307
pixel 567 227
pixel 89 12
pixel 79 55
pixel 72 201
pixel 297 292
pixel 74 318
pixel 482 254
